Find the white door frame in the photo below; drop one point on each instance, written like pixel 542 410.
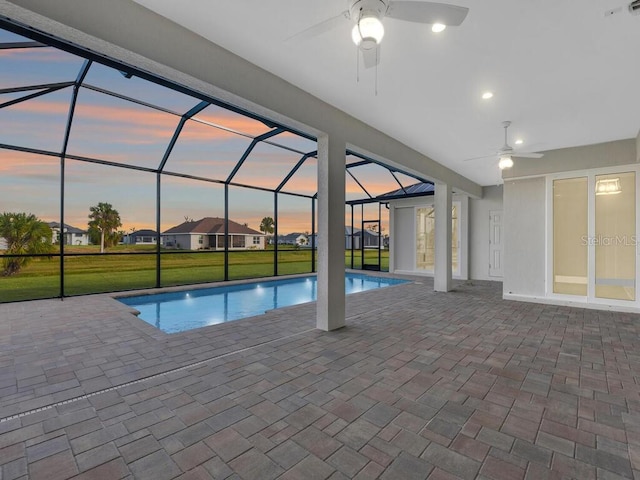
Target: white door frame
pixel 590 298
pixel 496 272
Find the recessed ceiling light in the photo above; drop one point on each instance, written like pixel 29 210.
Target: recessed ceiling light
pixel 438 27
pixel 519 141
pixel 487 95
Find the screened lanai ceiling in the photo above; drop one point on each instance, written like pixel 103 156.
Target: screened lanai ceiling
pixel 565 73
pixel 116 119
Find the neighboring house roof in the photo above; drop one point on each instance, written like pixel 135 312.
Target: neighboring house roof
pixel 356 231
pixel 211 225
pixel 415 190
pixel 290 237
pixel 143 233
pixel 67 228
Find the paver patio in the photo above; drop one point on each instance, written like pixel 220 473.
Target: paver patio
pixel 418 385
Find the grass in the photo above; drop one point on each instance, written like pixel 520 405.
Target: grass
pixel 111 273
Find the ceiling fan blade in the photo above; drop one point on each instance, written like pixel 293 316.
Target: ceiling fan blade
pixel 493 155
pixel 371 57
pixel 528 154
pixel 319 28
pixel 427 12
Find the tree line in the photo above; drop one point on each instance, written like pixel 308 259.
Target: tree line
pixel 26 234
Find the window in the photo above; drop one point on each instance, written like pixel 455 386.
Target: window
pixel 569 230
pixel 200 239
pixel 238 241
pixel 594 236
pixel 426 238
pixel 256 240
pixel 615 236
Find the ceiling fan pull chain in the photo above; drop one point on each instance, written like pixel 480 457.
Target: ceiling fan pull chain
pixel 377 62
pixel 357 66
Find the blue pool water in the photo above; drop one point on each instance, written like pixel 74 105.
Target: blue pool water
pixel 179 311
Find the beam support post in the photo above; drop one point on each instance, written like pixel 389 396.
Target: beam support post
pixel 442 202
pixel 331 233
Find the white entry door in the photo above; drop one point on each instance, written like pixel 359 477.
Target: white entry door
pixel 495 243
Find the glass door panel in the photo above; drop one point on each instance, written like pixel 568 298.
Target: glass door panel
pixel 425 238
pixel 615 236
pixel 455 240
pixel 570 235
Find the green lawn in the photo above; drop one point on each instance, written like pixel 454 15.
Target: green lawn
pixel 109 273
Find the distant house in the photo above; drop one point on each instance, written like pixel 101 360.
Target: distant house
pixel 369 239
pixel 69 235
pixel 366 238
pixel 299 239
pixel 209 234
pixel 140 237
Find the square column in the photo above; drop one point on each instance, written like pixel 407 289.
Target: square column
pixel 331 233
pixel 442 203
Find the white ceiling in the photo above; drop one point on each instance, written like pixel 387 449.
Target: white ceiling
pixel 564 73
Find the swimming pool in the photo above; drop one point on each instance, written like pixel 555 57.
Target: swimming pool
pixel 179 311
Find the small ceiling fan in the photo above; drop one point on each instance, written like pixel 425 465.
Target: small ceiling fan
pixel 507 151
pixel 367 16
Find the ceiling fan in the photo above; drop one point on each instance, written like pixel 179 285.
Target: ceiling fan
pixel 507 151
pixel 367 16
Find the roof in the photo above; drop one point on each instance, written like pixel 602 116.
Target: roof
pixel 415 190
pixel 144 233
pixel 356 231
pixel 291 236
pixel 67 228
pixel 211 225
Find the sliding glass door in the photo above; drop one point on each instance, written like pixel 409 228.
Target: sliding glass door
pixel 594 237
pixel 425 238
pixel 570 229
pixel 615 236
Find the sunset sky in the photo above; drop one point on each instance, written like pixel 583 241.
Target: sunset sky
pixel 113 129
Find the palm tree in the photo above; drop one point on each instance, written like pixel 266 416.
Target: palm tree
pixel 267 225
pixel 24 234
pixel 105 219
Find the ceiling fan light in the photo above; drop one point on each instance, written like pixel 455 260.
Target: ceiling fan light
pixel 355 36
pixel 438 27
pixel 369 30
pixel 608 186
pixel 505 162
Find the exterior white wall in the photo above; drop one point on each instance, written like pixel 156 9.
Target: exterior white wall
pixel 402 238
pixel 77 239
pixel 192 242
pixel 524 237
pixel 249 245
pixel 525 209
pixel 479 209
pixel 608 154
pixel 184 240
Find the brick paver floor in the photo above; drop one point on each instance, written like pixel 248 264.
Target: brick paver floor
pixel 419 385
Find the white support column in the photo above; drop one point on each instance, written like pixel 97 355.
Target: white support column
pixel 442 202
pixel 331 233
